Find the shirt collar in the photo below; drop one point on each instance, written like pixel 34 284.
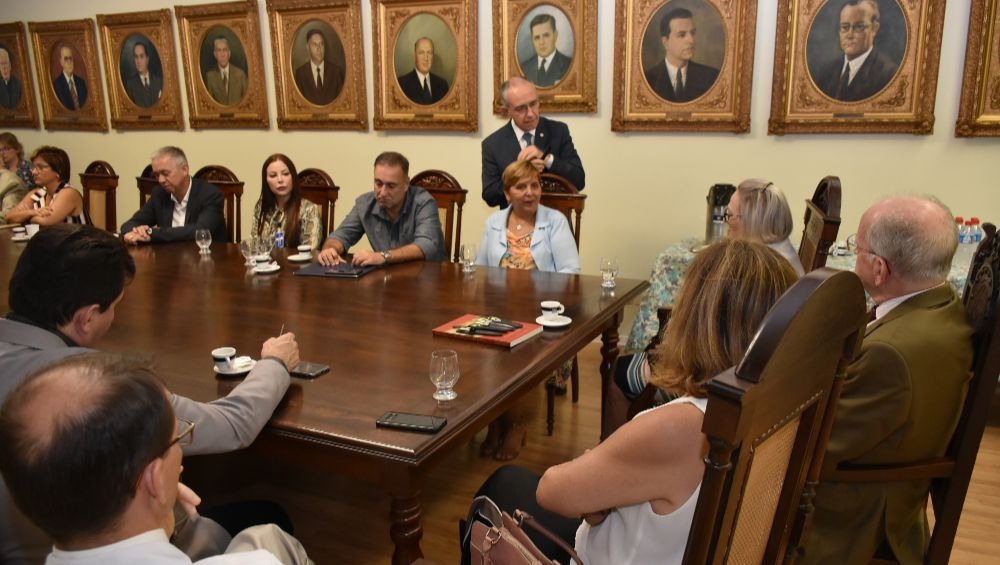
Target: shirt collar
pixel 519 133
pixel 24 320
pixel 187 194
pixel 547 60
pixel 672 70
pixel 315 66
pixel 407 204
pixel 889 305
pixel 856 63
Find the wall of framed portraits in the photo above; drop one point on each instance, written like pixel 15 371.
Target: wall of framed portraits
pixel 645 189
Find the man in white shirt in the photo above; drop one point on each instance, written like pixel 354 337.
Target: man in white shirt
pixel 91 451
pixel 225 82
pixel 421 85
pixel 864 70
pixel 319 79
pixel 677 78
pixel 71 90
pixel 548 65
pixel 144 87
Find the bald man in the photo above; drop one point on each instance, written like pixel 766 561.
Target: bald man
pixel 71 90
pixel 10 85
pixel 421 85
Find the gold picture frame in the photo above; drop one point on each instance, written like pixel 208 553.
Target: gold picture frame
pixel 330 30
pixel 401 30
pixel 140 68
pixel 892 91
pixel 563 34
pixel 713 93
pixel 69 46
pixel 17 90
pixel 225 33
pixel 979 109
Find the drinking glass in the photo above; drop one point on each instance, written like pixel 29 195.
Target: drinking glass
pixel 247 249
pixel 264 246
pixel 468 257
pixel 203 238
pixel 609 270
pixel 444 373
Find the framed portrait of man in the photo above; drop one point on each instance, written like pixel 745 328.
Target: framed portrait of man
pixel 683 65
pixel 222 65
pixel 979 109
pixel 70 83
pixel 553 44
pixel 140 68
pixel 17 89
pixel 425 64
pixel 856 66
pixel 318 56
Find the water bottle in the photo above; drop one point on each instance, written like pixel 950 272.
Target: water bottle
pixel 960 227
pixel 968 232
pixel 279 239
pixel 977 231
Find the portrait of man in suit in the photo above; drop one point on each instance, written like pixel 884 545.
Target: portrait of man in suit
pixel 143 86
pixel 226 83
pixel 421 85
pixel 10 85
pixel 548 65
pixel 320 80
pixel 861 69
pixel 71 90
pixel 677 78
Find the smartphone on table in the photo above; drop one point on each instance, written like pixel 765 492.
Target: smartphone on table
pixel 411 422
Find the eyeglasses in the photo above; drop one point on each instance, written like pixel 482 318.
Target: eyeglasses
pixel 853 247
pixel 858 27
pixel 4 149
pixel 184 438
pixel 39 166
pixel 728 216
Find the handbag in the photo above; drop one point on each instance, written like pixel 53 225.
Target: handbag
pixel 496 538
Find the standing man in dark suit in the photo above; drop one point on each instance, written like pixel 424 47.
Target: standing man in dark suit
pixel 421 85
pixel 864 70
pixel 178 206
pixel 527 136
pixel 143 87
pixel 71 90
pixel 678 78
pixel 10 85
pixel 319 80
pixel 547 66
pixel 904 392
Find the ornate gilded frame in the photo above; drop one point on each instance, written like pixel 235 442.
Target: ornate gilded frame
pixel 239 20
pixel 80 37
pixel 24 114
pixel 457 110
pixel 576 90
pixel 979 109
pixel 118 33
pixel 289 20
pixel 723 106
pixel 904 105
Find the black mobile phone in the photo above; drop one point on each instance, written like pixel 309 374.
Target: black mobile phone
pixel 412 422
pixel 307 370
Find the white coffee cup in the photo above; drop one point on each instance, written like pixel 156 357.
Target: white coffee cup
pixel 31 229
pixel 304 248
pixel 18 229
pixel 552 309
pixel 223 357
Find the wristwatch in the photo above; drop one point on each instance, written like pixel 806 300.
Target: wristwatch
pixel 386 256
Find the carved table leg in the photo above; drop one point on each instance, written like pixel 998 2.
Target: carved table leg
pixel 609 352
pixel 405 529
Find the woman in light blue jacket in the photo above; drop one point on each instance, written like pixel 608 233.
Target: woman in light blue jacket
pixel 528 236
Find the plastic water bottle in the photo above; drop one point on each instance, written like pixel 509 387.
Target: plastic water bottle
pixel 968 231
pixel 279 239
pixel 977 231
pixel 963 232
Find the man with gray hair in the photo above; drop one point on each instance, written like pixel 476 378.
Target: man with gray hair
pixel 903 394
pixel 178 206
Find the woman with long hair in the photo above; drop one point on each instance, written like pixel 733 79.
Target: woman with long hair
pixel 281 206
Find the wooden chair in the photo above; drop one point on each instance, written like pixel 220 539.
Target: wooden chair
pixel 232 192
pixel 820 224
pixel 99 182
pixel 765 421
pixel 145 182
pixel 560 194
pixel 450 197
pixel 950 475
pixel 317 187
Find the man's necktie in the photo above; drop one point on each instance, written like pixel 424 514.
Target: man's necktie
pixel 427 88
pixel 72 93
pixel 225 82
pixel 145 83
pixel 319 79
pixel 680 83
pixel 527 138
pixel 541 71
pixel 845 80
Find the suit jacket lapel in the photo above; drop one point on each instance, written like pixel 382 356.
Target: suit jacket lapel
pixel 933 298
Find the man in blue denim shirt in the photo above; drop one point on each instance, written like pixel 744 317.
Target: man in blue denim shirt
pixel 401 221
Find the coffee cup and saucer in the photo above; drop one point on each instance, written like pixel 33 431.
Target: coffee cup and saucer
pixel 552 315
pixel 304 254
pixel 266 268
pixel 20 234
pixel 226 362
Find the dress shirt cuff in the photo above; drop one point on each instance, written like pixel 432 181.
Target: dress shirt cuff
pixel 549 159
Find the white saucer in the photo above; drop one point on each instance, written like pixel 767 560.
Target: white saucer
pixel 241 366
pixel 301 257
pixel 557 322
pixel 265 268
pixel 20 237
pixel 261 257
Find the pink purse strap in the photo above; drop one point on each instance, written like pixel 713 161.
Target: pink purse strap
pixel 522 518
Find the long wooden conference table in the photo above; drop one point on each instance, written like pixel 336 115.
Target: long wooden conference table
pixel 374 332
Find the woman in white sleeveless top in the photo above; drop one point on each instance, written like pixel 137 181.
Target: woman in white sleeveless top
pixel 637 490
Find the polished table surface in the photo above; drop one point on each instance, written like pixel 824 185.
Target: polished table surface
pixel 374 332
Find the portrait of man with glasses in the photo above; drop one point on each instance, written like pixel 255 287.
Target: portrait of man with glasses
pixel 861 69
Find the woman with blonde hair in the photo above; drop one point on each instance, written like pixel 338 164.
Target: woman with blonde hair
pixel 637 490
pixel 759 211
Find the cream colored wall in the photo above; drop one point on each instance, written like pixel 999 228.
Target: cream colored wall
pixel 644 190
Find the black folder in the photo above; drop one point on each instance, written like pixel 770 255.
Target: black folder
pixel 340 271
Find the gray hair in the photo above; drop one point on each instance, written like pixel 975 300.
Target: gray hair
pixel 175 153
pixel 919 246
pixel 764 211
pixel 871 4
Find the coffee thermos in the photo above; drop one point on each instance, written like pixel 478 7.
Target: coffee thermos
pixel 715 221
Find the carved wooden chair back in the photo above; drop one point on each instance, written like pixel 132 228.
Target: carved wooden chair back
pixel 820 224
pixel 559 193
pixel 145 182
pixel 317 187
pixel 100 182
pixel 232 193
pixel 450 197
